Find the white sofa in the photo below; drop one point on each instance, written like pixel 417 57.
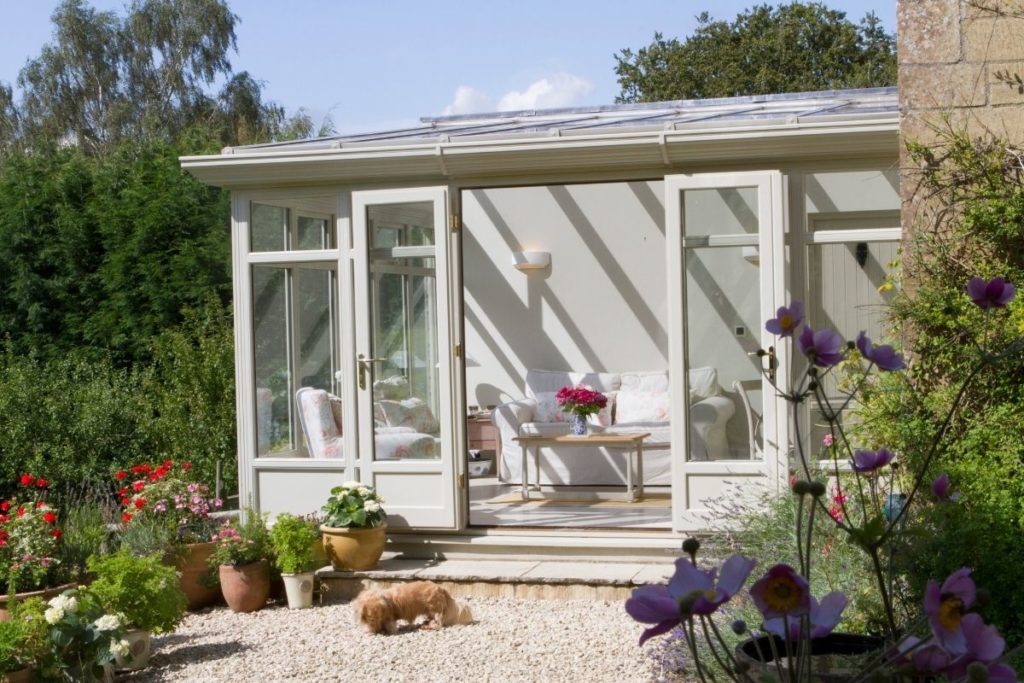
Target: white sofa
pixel 638 402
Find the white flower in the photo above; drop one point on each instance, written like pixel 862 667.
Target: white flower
pixel 371 506
pixel 350 485
pixel 108 622
pixel 364 492
pixel 65 603
pixel 120 648
pixel 53 615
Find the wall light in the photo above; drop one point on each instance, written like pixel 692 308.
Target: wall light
pixel 531 260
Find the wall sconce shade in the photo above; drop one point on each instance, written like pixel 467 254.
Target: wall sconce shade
pixel 531 260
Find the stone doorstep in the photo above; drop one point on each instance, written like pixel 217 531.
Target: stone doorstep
pixel 534 580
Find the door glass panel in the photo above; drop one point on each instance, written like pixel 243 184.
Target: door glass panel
pixel 720 211
pixel 722 323
pixel 268 227
pixel 403 319
pixel 271 335
pixel 316 325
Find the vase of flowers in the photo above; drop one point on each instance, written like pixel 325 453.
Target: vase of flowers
pixel 292 538
pixel 164 510
pixel 354 527
pixel 144 592
pixel 241 551
pixel 793 637
pixel 579 402
pixel 29 540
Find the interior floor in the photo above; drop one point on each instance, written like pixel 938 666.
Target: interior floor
pixel 492 504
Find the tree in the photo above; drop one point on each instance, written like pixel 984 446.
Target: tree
pixel 790 48
pixel 105 79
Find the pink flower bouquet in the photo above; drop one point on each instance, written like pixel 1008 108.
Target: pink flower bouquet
pixel 581 400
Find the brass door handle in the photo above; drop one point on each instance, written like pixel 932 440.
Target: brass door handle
pixel 364 365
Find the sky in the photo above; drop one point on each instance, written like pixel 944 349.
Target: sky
pixel 380 64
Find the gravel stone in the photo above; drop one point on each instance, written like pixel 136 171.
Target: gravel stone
pixel 511 641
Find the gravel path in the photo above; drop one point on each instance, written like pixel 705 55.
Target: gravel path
pixel 511 641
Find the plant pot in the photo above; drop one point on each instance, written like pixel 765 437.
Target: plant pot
pixel 26 675
pixel 247 587
pixel 191 569
pixel 836 658
pixel 140 646
pixel 354 549
pixel 299 589
pixel 45 594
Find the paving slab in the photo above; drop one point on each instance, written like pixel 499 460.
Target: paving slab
pixel 477 570
pixel 654 573
pixel 583 572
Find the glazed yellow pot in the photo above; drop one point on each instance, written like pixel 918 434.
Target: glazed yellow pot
pixel 354 549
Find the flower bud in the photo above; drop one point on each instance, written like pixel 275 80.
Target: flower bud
pixel 802 487
pixel 739 627
pixel 691 546
pixel 812 385
pixel 977 672
pixel 816 489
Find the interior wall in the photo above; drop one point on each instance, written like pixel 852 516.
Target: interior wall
pixel 600 305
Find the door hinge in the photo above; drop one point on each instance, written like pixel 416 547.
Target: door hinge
pixel 462 481
pixel 457 351
pixel 454 222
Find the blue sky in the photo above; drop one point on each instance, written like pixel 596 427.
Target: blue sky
pixel 384 63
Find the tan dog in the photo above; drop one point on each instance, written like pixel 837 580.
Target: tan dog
pixel 381 610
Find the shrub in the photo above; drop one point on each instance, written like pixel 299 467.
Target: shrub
pixel 141 589
pixel 292 538
pixel 241 542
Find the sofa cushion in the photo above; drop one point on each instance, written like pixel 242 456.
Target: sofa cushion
pixel 412 412
pixel 703 383
pixel 539 381
pixel 651 381
pixel 660 432
pixel 642 406
pixel 603 417
pixel 547 409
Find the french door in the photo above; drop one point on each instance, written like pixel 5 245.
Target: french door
pixel 403 359
pixel 726 273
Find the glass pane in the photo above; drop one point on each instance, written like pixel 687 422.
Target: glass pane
pixel 314 233
pixel 720 211
pixel 268 227
pixel 723 322
pixel 846 294
pixel 272 350
pixel 316 326
pixel 403 305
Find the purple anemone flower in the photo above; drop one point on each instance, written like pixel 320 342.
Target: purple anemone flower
pixel 865 462
pixel 946 607
pixel 690 591
pixel 995 293
pixel 786 320
pixel 781 593
pixel 940 487
pixel 824 348
pixel 884 356
pixel 984 645
pixel 824 617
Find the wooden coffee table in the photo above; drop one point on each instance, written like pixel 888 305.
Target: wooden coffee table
pixel 632 443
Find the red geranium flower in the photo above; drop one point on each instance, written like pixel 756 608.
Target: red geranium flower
pixel 40 503
pixel 21 512
pixel 27 479
pixel 125 500
pixel 121 474
pixel 4 519
pixel 49 517
pixel 138 486
pixel 140 503
pixel 126 517
pixel 146 468
pixel 168 464
pixel 186 466
pixel 5 506
pixel 137 469
pixel 42 483
pixel 123 491
pixel 56 533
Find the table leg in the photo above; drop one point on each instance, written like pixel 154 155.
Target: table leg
pixel 536 465
pixel 631 495
pixel 526 493
pixel 640 469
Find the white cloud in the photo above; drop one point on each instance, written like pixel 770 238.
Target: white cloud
pixel 557 90
pixel 468 100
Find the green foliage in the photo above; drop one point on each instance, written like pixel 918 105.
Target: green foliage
pixel 141 589
pixel 292 538
pixel 242 541
pixel 85 526
pixel 354 505
pixel 793 47
pixel 23 638
pixel 973 225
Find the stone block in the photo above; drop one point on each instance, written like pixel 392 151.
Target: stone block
pixel 942 86
pixel 928 31
pixel 1002 92
pixel 993 39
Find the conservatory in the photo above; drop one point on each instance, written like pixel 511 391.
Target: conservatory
pixel 408 303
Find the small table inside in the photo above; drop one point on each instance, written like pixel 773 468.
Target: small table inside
pixel 632 443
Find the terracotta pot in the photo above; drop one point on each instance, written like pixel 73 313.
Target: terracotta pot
pixel 836 658
pixel 191 568
pixel 245 588
pixel 354 549
pixel 140 647
pixel 26 675
pixel 45 594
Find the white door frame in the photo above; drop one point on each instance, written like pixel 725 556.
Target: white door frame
pixel 418 493
pixel 688 514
